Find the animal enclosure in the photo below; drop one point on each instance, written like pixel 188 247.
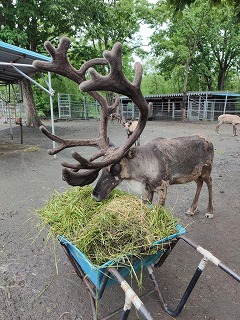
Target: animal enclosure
pixel 200 106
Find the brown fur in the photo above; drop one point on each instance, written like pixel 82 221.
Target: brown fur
pixel 153 166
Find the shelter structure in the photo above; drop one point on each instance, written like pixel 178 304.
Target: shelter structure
pixel 16 64
pixel 201 105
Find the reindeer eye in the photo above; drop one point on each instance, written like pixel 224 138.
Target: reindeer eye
pixel 115 169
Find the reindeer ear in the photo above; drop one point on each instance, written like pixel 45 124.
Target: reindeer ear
pixel 115 169
pixel 78 178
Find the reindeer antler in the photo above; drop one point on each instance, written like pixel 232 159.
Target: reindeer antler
pixel 61 65
pixel 115 82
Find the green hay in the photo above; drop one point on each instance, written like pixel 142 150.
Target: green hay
pixel 107 230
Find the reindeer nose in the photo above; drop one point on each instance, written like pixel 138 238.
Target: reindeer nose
pixel 96 196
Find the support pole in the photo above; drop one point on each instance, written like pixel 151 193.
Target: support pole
pixel 190 287
pixel 51 107
pixel 130 297
pixel 225 103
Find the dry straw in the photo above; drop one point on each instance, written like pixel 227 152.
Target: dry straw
pixel 108 230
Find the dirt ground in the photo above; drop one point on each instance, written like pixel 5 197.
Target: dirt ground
pixel 36 278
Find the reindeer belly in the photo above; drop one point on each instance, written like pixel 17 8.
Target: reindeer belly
pixel 186 175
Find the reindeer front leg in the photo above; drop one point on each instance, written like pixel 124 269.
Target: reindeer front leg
pixel 162 193
pixel 147 195
pixel 217 128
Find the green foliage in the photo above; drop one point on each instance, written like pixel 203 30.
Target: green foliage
pixel 32 22
pixel 63 85
pixel 201 45
pixel 178 6
pixel 92 26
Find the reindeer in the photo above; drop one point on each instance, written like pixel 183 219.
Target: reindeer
pixel 116 116
pixel 150 168
pixel 129 126
pixel 228 118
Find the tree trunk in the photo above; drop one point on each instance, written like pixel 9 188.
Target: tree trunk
pixel 32 118
pixel 187 66
pixel 221 79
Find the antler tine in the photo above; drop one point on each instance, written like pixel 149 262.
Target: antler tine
pixel 68 143
pixel 116 82
pixel 80 178
pixel 60 63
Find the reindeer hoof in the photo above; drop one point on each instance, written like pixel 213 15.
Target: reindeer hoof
pixel 189 213
pixel 209 215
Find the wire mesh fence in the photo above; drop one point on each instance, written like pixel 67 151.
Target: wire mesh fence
pixel 198 107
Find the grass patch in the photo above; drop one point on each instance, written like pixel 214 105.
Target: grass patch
pixel 107 230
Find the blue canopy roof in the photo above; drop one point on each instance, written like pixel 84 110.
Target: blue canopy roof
pixel 10 56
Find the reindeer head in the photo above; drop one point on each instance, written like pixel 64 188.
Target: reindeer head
pixel 85 171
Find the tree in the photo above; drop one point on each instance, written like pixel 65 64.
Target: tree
pixel 28 23
pixel 31 113
pixel 178 6
pixel 108 21
pixel 93 26
pixel 205 40
pixel 222 42
pixel 177 43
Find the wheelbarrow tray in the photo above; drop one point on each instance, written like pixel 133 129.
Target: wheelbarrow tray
pixel 95 273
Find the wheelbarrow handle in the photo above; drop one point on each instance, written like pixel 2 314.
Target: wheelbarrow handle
pixel 209 256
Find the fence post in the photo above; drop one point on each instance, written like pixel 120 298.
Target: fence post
pixel 225 103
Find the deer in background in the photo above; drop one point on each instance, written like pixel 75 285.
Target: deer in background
pixel 129 126
pixel 149 168
pixel 230 119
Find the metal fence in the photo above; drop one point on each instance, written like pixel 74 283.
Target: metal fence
pixel 198 108
pixel 73 107
pixel 11 111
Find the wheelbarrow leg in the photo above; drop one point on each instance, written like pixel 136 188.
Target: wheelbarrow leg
pixel 188 291
pixel 125 314
pixel 130 298
pixel 207 256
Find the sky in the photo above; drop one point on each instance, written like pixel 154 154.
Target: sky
pixel 146 32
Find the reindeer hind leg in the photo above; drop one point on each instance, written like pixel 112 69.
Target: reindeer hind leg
pixel 234 130
pixel 194 206
pixel 209 214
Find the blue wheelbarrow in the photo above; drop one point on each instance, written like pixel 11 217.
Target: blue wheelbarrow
pixel 97 279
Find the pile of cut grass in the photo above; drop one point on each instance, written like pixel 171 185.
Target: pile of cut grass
pixel 107 230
